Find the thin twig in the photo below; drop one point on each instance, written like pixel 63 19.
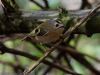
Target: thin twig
pixel 57 60
pixel 46 4
pixel 4 49
pixel 81 59
pixel 38 4
pixel 85 19
pixel 66 34
pixel 33 66
pixel 74 51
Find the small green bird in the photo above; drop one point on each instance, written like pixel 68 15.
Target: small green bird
pixel 47 32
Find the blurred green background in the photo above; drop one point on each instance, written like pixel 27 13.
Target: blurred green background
pixel 84 44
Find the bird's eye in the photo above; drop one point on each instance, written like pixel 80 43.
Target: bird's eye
pixel 37 30
pixel 57 25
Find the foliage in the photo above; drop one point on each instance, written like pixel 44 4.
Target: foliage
pixel 79 53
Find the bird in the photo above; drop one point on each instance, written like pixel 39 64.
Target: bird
pixel 47 32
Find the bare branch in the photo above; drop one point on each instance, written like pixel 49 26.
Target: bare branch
pixel 4 49
pixel 66 34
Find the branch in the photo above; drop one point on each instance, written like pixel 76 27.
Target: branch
pixel 46 4
pixel 4 49
pixel 33 66
pixel 38 4
pixel 66 34
pixel 13 65
pixel 23 23
pixel 80 57
pixel 55 60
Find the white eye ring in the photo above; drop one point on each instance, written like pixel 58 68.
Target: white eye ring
pixel 37 31
pixel 58 24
